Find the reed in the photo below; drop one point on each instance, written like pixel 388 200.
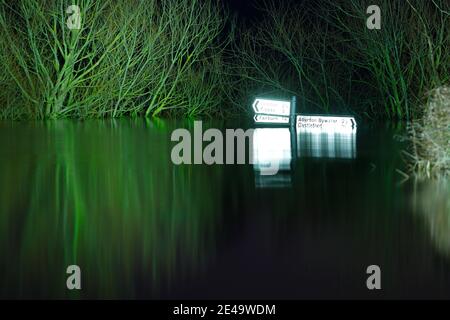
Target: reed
pixel 323 52
pixel 400 62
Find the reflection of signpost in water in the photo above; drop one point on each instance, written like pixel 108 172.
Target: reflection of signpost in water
pixel 331 137
pixel 272 150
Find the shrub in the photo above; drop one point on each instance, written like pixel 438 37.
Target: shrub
pixel 128 57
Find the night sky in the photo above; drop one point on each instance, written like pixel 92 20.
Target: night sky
pixel 248 9
pixel 245 8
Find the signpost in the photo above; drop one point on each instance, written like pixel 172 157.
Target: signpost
pixel 319 136
pixel 283 112
pixel 325 123
pixel 264 118
pixel 272 107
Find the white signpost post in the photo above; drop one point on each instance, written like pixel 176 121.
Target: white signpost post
pixel 325 123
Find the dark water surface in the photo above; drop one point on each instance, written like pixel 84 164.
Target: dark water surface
pixel 105 195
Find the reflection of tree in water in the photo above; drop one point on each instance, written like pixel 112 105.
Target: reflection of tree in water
pixel 104 196
pixel 432 202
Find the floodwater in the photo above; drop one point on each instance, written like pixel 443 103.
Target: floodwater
pixel 105 195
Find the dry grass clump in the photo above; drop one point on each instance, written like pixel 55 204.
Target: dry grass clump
pixel 430 136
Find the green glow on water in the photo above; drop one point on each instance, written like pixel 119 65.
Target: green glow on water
pixel 105 196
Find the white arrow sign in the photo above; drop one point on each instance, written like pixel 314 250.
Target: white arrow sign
pixel 263 118
pixel 328 123
pixel 273 107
